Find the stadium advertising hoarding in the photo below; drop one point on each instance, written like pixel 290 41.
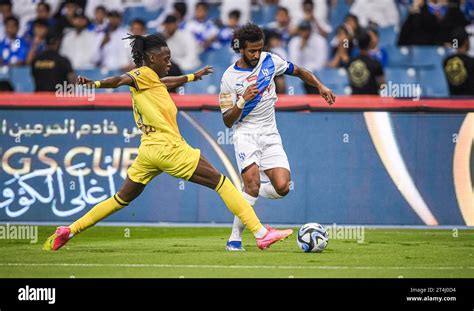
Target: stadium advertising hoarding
pixel 388 168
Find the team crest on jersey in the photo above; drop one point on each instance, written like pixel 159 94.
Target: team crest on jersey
pixel 266 74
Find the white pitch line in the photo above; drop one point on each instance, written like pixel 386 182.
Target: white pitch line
pixel 228 267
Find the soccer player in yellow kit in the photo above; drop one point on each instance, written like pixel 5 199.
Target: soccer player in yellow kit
pixel 162 148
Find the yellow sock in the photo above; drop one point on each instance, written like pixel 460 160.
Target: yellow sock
pixel 236 203
pixel 97 213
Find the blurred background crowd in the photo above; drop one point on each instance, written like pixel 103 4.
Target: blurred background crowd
pixel 354 46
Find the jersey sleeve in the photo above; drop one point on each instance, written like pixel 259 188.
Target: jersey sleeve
pixel 227 95
pixel 282 66
pixel 141 77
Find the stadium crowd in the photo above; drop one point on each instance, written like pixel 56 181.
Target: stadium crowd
pixel 59 39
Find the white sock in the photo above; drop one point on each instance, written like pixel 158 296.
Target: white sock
pixel 268 191
pixel 260 233
pixel 238 226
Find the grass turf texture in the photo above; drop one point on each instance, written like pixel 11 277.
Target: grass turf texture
pixel 159 252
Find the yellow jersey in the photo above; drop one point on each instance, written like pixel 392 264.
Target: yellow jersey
pixel 153 109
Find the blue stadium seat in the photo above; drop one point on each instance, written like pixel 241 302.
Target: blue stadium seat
pixel 220 60
pixel 21 79
pixel 388 36
pixel 340 89
pixel 140 12
pixel 332 75
pixel 433 82
pixel 398 57
pixel 263 14
pixel 217 58
pixel 337 15
pixel 335 79
pixel 202 87
pixel 401 82
pixel 427 55
pixel 401 75
pixel 214 12
pixel 294 86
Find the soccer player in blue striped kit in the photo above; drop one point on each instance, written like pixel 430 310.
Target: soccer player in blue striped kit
pixel 247 100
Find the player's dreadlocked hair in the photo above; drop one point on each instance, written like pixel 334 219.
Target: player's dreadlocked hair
pixel 247 33
pixel 142 45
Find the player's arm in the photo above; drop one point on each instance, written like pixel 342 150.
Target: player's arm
pixel 176 81
pixel 379 75
pixel 380 80
pixel 107 83
pixel 309 78
pixel 231 115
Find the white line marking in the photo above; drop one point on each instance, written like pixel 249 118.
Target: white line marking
pixel 88 265
pixel 381 130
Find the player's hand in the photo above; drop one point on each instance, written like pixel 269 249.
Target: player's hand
pixel 328 95
pixel 84 81
pixel 203 72
pixel 416 6
pixel 250 92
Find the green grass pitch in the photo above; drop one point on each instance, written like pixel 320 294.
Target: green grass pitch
pixel 161 252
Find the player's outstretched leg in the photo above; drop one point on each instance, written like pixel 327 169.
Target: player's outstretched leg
pixel 129 191
pixel 208 176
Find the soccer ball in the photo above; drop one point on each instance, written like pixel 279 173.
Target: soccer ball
pixel 312 238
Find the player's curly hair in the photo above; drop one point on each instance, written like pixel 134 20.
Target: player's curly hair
pixel 141 45
pixel 246 33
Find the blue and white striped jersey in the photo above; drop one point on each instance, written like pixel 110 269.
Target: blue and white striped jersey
pixel 258 113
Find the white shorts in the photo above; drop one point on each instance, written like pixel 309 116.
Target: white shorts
pixel 265 150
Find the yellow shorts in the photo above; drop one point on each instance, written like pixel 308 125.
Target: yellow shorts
pixel 179 160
